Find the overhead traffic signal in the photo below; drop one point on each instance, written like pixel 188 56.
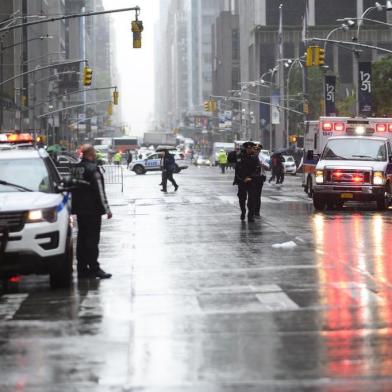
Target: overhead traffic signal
pixel 315 56
pixel 137 28
pixel 210 106
pixel 115 97
pixel 87 76
pixel 320 56
pixel 110 109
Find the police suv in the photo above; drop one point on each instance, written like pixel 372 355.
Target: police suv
pixel 153 163
pixel 35 223
pixel 348 159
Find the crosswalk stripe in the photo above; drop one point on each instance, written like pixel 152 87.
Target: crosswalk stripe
pixel 10 304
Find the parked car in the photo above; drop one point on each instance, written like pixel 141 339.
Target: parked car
pixel 202 160
pixel 289 165
pixel 153 163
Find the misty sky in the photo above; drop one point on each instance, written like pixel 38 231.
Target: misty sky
pixel 135 66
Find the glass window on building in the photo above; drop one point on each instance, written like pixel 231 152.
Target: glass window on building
pixel 326 16
pixel 293 12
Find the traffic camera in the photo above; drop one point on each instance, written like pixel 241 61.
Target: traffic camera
pixel 137 28
pixel 87 76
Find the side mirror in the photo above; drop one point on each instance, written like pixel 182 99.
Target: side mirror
pixel 390 159
pixel 316 158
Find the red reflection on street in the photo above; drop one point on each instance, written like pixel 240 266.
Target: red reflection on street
pixel 349 256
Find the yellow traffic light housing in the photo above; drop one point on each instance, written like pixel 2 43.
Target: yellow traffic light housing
pixel 212 106
pixel 207 106
pixel 115 97
pixel 87 76
pixel 320 56
pixel 110 108
pixel 315 56
pixel 137 28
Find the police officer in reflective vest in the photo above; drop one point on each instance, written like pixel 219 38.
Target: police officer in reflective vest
pixel 89 203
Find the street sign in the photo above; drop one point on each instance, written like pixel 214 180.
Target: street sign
pixel 365 87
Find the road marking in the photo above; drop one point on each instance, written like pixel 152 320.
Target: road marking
pixel 10 304
pixel 276 301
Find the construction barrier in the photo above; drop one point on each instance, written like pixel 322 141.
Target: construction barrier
pixel 113 174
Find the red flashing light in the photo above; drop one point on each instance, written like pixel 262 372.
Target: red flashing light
pixel 358 179
pixel 381 127
pixel 340 127
pixel 327 126
pixel 389 127
pixel 15 279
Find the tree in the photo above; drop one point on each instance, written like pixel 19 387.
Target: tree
pixel 382 86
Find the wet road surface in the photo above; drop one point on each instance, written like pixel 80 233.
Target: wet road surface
pixel 200 301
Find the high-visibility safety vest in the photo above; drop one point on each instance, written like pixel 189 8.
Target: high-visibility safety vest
pixel 222 158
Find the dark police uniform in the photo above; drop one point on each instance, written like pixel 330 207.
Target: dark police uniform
pixel 89 203
pixel 247 166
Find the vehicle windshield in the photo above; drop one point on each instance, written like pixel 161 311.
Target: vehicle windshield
pixel 355 150
pixel 28 173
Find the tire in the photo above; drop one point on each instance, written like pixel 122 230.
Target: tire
pixel 61 275
pixel 318 203
pixel 383 201
pixel 309 187
pixel 138 169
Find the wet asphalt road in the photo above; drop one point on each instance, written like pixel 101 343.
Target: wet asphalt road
pixel 200 301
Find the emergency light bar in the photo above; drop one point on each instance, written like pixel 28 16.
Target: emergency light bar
pixel 16 138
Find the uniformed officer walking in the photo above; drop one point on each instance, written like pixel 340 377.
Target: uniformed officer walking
pixel 259 179
pixel 89 203
pixel 247 171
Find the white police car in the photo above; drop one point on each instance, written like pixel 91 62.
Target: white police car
pixel 153 163
pixel 35 224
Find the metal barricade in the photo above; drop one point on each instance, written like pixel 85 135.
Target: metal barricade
pixel 113 174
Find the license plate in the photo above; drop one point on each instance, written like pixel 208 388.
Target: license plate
pixel 346 195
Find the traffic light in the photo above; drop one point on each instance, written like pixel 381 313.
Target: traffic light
pixel 110 109
pixel 115 97
pixel 310 51
pixel 137 28
pixel 23 100
pixel 293 139
pixel 320 56
pixel 207 106
pixel 87 76
pixel 212 106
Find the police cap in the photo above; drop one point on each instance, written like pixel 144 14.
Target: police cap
pixel 248 144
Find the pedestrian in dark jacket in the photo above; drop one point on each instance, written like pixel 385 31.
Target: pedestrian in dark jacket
pixel 260 179
pixel 168 168
pixel 129 158
pixel 247 171
pixel 89 203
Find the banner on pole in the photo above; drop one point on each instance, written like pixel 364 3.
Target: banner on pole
pixel 330 95
pixel 365 88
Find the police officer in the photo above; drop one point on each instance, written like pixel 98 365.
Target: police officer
pixel 259 179
pixel 89 203
pixel 247 170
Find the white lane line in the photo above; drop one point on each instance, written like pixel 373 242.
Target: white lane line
pixel 10 304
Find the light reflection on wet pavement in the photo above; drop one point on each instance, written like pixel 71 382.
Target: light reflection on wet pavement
pixel 200 301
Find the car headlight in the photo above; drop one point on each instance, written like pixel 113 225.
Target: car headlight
pixel 378 178
pixel 42 215
pixel 319 176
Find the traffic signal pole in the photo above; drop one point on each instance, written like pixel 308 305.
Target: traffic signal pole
pixel 65 17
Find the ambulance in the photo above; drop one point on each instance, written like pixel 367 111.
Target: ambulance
pixel 348 159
